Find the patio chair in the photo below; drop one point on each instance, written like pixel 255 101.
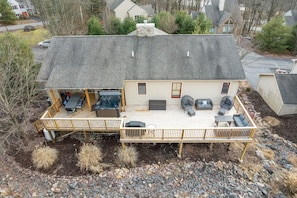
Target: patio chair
pixel 187 102
pixel 226 104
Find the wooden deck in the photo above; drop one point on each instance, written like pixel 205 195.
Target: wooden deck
pixel 170 126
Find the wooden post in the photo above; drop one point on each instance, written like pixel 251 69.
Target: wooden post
pixel 52 138
pixel 243 152
pixel 88 99
pixel 123 100
pixel 181 145
pixel 210 146
pixel 53 99
pixel 85 135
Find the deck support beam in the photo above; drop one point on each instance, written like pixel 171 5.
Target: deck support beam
pixel 88 99
pixel 243 152
pixel 180 150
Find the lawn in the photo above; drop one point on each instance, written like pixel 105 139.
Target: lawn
pixel 33 37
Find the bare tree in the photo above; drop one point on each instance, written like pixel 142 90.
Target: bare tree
pixel 17 91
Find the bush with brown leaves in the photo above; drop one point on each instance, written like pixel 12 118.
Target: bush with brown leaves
pixel 128 156
pixel 291 182
pixel 90 157
pixel 44 157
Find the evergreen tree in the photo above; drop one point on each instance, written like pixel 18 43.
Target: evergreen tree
pixel 7 15
pixel 202 25
pixel 186 24
pixel 275 36
pixel 128 25
pixel 94 27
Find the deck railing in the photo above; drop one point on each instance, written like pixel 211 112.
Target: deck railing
pixel 206 135
pixel 81 124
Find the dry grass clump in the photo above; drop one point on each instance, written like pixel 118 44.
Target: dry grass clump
pixel 268 153
pixel 44 157
pixel 90 157
pixel 293 160
pixel 128 156
pixel 272 121
pixel 291 182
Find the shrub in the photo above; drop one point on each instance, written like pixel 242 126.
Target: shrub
pixel 293 160
pixel 128 156
pixel 44 157
pixel 291 182
pixel 89 158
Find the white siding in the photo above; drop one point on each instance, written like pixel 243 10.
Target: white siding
pixel 268 89
pixel 128 8
pixel 288 110
pixel 161 90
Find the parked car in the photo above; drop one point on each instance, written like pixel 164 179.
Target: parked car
pixel 45 43
pixel 29 28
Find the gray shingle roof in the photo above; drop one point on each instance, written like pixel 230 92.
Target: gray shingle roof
pixel 113 4
pixel 287 84
pixel 106 61
pixel 231 9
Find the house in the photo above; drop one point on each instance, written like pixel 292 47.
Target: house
pixel 278 90
pixel 291 17
pixel 126 8
pixel 19 8
pixel 144 77
pixel 225 16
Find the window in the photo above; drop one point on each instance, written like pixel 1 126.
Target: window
pixel 21 6
pixel 14 7
pixel 176 89
pixel 142 88
pixel 225 88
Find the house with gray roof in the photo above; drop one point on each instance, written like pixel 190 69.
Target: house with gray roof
pixel 291 17
pixel 145 66
pixel 142 80
pixel 278 90
pixel 126 8
pixel 225 16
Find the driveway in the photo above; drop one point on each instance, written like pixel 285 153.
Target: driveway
pixel 255 64
pixel 18 27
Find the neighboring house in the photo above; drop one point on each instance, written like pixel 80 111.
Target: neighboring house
pixel 225 16
pixel 278 90
pixel 126 8
pixel 19 8
pixel 291 17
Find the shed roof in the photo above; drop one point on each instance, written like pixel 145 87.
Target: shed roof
pixel 287 84
pixel 76 62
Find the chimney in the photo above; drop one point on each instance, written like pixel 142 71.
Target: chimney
pixel 145 29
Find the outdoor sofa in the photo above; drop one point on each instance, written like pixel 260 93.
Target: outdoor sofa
pixel 203 104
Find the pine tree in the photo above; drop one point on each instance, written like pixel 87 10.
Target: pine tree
pixel 7 15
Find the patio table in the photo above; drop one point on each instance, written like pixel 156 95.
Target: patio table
pixel 227 119
pixel 72 102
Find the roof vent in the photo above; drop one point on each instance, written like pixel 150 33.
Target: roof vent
pixel 188 54
pixel 281 71
pixel 132 54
